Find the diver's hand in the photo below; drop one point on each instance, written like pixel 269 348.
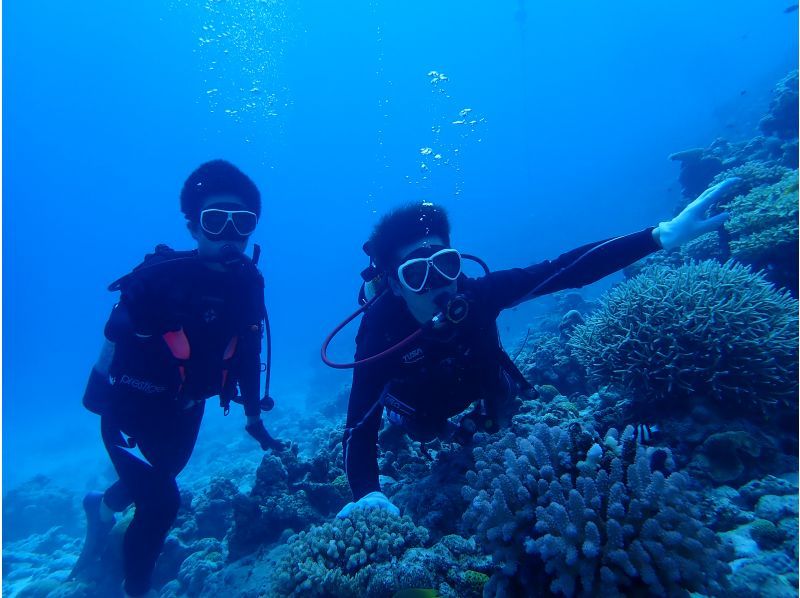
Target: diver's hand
pixel 255 427
pixel 691 222
pixel 373 500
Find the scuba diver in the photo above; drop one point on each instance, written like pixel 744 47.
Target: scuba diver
pixel 428 347
pixel 188 326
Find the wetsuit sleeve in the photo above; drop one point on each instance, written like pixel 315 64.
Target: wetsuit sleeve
pixel 249 350
pixel 574 269
pixel 364 411
pixel 145 304
pixel 249 374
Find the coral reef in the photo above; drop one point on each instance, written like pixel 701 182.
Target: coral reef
pixel 608 524
pixel 754 173
pixel 213 510
pixel 750 493
pixel 765 534
pixel 762 228
pixel 337 558
pixel 699 167
pixel 714 446
pixel 35 507
pixel 725 455
pixel 765 540
pixel 558 501
pixel 374 553
pixel 39 560
pixel 705 329
pixel 777 147
pixel 434 500
pixel 546 359
pixel 208 556
pixel 781 120
pixel 271 508
pixel 290 493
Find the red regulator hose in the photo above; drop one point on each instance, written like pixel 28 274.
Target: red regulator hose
pixel 381 355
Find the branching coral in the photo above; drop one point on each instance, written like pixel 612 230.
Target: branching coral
pixel 705 328
pixel 605 525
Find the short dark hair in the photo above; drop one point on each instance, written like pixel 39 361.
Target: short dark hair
pixel 403 226
pixel 217 177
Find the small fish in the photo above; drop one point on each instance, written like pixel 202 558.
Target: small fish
pixel 790 9
pixel 645 433
pixel 416 593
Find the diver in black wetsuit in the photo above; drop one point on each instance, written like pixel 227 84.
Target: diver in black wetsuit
pixel 188 326
pixel 428 346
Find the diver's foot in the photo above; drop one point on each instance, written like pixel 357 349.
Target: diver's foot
pixel 97 529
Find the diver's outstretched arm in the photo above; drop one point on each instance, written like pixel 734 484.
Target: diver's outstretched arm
pixel 592 262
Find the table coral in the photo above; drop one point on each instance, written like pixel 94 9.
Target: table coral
pixel 701 329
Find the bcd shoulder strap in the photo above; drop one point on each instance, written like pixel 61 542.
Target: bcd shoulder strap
pixel 162 256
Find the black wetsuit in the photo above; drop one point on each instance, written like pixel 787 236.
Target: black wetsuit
pixel 182 333
pixel 439 376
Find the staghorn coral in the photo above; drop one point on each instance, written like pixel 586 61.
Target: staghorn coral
pixel 606 525
pixel 754 173
pixel 705 247
pixel 705 328
pixel 763 223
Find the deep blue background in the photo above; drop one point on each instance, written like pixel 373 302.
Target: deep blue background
pixel 106 110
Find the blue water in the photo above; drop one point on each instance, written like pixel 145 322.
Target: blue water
pixel 109 106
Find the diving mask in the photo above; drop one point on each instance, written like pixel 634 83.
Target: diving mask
pixel 414 273
pixel 228 224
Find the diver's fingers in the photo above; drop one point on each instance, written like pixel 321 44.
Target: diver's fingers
pixel 713 223
pixel 713 194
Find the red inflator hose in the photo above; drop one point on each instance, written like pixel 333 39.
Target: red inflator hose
pixel 382 354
